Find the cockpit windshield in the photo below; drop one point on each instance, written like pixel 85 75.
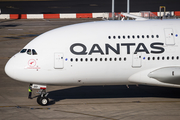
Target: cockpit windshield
pixel 29 51
pixel 23 50
pixel 34 52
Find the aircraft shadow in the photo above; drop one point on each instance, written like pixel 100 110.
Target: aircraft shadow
pixel 118 91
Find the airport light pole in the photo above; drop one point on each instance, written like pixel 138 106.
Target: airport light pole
pixel 128 8
pixel 113 9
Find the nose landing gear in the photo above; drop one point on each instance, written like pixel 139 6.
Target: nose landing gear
pixel 42 98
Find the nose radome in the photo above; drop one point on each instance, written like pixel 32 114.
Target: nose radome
pixel 15 69
pixel 9 69
pixel 12 67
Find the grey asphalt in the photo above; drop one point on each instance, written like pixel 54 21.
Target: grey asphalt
pixel 83 6
pixel 76 102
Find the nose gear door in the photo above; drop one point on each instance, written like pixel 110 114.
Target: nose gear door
pixel 58 60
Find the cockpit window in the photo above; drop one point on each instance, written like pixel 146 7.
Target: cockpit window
pixel 29 51
pixel 23 50
pixel 34 52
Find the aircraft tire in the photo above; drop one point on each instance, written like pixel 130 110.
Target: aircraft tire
pixel 43 101
pixel 38 99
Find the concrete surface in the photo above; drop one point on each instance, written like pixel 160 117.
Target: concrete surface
pixel 70 102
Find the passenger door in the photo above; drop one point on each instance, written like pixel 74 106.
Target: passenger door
pixel 136 60
pixel 169 36
pixel 58 60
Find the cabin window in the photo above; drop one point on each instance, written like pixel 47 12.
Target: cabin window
pixel 96 59
pixel 138 36
pixel 133 36
pixel 142 36
pixel 109 37
pixel 76 59
pixel 128 36
pixel 172 57
pixel 119 37
pixel 177 58
pixel 124 37
pixel 152 36
pixel 157 36
pixel 147 36
pixel 162 58
pixel 29 51
pixel 114 37
pixel 34 52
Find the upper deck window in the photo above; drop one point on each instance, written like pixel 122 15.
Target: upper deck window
pixel 23 50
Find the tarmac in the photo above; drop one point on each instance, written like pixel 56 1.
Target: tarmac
pixel 75 102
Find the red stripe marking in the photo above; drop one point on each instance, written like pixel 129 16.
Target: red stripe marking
pixel 177 13
pixel 51 16
pixel 42 88
pixel 18 16
pixel 83 15
pixel 155 13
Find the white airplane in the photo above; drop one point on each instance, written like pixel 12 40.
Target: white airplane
pixel 101 53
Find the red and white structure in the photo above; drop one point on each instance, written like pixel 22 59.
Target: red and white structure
pixel 68 15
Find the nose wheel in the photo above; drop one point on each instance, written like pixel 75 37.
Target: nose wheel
pixel 43 99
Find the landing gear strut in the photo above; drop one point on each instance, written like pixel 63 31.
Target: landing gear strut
pixel 42 98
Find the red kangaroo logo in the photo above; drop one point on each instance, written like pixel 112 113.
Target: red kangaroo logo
pixel 31 62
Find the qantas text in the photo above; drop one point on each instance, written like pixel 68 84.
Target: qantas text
pixel 156 48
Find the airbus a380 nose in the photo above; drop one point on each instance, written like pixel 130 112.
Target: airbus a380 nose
pixel 17 65
pixel 102 53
